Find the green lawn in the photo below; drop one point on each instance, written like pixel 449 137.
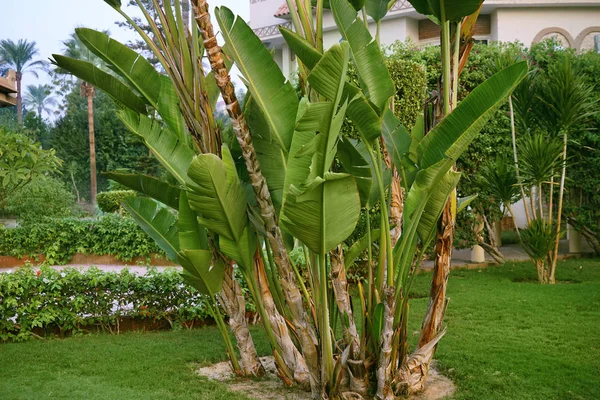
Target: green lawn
pixel 508 338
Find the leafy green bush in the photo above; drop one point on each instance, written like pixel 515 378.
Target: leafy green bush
pixel 21 160
pixel 42 197
pixel 70 300
pixel 110 202
pixel 59 239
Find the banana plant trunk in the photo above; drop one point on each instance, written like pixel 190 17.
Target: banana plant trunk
pixel 358 377
pixel 234 304
pixel 291 356
pixel 293 296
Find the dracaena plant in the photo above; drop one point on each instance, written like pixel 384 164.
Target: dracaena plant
pixel 305 187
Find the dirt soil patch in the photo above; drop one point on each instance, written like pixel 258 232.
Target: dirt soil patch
pixel 270 387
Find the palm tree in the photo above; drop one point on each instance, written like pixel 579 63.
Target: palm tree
pixel 77 50
pixel 40 98
pixel 18 56
pixel 569 101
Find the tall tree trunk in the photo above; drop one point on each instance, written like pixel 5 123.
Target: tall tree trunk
pixel 516 159
pixel 304 329
pixel 491 248
pixel 234 304
pixel 561 192
pixel 89 94
pixel 19 99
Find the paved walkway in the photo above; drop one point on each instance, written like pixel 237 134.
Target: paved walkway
pixel 460 259
pixel 511 252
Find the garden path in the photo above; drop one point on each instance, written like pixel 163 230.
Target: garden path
pixel 460 259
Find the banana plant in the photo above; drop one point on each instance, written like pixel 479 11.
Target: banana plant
pixel 309 184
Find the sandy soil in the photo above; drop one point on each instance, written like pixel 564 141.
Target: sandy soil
pixel 271 388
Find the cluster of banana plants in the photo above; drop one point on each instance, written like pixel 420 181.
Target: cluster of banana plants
pixel 292 181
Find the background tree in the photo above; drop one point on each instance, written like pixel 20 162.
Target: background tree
pixel 21 161
pixel 39 97
pixel 76 50
pixel 116 147
pixel 19 56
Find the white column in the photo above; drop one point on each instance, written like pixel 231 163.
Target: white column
pixel 498 232
pixel 477 252
pixel 286 61
pixel 574 240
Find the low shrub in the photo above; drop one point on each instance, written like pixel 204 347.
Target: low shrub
pixel 110 202
pixel 42 197
pixel 72 301
pixel 59 239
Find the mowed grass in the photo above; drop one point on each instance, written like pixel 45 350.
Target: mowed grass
pixel 508 338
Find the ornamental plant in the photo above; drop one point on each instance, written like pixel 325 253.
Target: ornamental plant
pixel 298 183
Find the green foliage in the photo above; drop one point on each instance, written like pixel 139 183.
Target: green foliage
pixel 59 239
pixel 410 83
pixel 116 148
pixel 71 301
pixel 582 200
pixel 538 239
pixel 21 160
pixel 156 365
pixel 110 202
pixel 42 197
pixel 539 159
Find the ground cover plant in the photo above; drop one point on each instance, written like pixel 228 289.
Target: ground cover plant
pixel 509 339
pixel 286 185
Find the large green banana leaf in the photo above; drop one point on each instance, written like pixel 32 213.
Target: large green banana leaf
pixel 138 73
pixel 173 154
pixel 396 137
pixel 373 74
pixel 192 235
pixel 274 95
pixel 127 63
pixel 377 9
pixel 200 270
pixel 158 222
pixel 299 160
pixel 439 150
pixel 116 89
pixel 355 164
pixel 323 211
pixel 453 10
pixel 271 157
pixel 218 199
pixel 362 113
pixel 150 186
pixel 323 214
pixel 450 138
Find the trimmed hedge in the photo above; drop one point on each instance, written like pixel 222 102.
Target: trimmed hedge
pixel 110 202
pixel 59 239
pixel 71 301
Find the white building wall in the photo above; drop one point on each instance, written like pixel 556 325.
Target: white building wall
pixel 524 24
pixel 262 13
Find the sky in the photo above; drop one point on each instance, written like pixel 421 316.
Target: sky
pixel 50 22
